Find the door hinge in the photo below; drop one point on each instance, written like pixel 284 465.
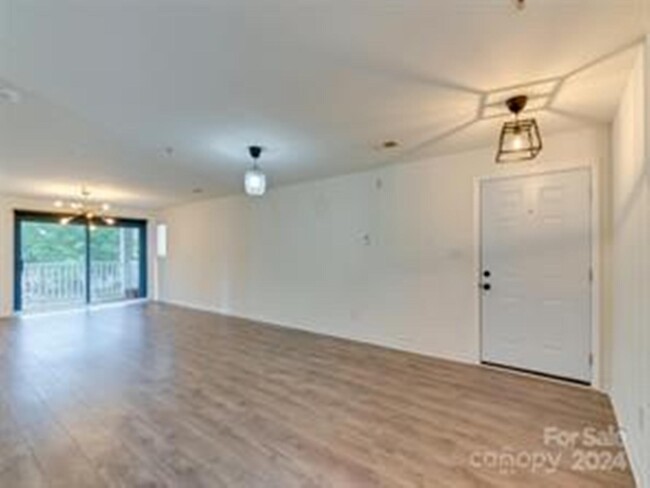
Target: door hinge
pixel 591 360
pixel 591 275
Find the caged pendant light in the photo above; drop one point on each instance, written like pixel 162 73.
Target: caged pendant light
pixel 520 139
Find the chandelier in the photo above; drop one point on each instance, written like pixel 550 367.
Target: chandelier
pixel 86 210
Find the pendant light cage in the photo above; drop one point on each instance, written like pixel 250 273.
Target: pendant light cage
pixel 520 139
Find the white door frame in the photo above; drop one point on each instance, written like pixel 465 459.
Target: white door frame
pixel 596 376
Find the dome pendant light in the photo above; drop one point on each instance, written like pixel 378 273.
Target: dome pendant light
pixel 520 139
pixel 255 179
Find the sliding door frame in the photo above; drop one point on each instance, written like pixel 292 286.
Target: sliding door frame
pixel 50 217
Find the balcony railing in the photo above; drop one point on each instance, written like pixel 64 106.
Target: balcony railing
pixel 63 284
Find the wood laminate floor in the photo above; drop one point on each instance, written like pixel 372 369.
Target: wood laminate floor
pixel 152 395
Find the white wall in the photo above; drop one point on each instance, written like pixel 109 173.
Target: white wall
pixel 9 204
pixel 630 381
pixel 299 256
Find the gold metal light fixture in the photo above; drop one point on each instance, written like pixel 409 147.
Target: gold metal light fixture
pixel 85 209
pixel 520 138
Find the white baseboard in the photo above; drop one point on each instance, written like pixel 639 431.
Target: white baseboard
pixel 632 455
pixel 303 328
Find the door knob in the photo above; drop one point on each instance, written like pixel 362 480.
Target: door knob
pixel 486 286
pixel 487 273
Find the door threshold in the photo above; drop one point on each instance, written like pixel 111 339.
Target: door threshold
pixel 83 308
pixel 536 374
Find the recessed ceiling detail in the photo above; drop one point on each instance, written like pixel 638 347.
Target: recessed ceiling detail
pixel 540 96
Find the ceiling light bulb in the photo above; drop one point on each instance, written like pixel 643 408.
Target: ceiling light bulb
pixel 109 220
pixel 58 204
pixel 106 207
pixel 255 182
pixel 517 142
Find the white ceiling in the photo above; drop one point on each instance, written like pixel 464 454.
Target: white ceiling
pixel 106 85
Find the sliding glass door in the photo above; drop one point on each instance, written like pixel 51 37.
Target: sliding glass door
pixel 61 266
pixel 115 263
pixel 51 266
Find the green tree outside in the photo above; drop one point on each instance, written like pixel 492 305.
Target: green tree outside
pixel 51 242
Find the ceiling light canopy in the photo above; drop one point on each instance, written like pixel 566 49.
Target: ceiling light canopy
pixel 255 179
pixel 86 210
pixel 520 138
pixel 520 4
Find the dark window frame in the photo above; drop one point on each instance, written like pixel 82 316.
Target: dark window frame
pixel 54 217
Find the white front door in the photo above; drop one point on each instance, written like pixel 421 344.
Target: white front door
pixel 535 281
